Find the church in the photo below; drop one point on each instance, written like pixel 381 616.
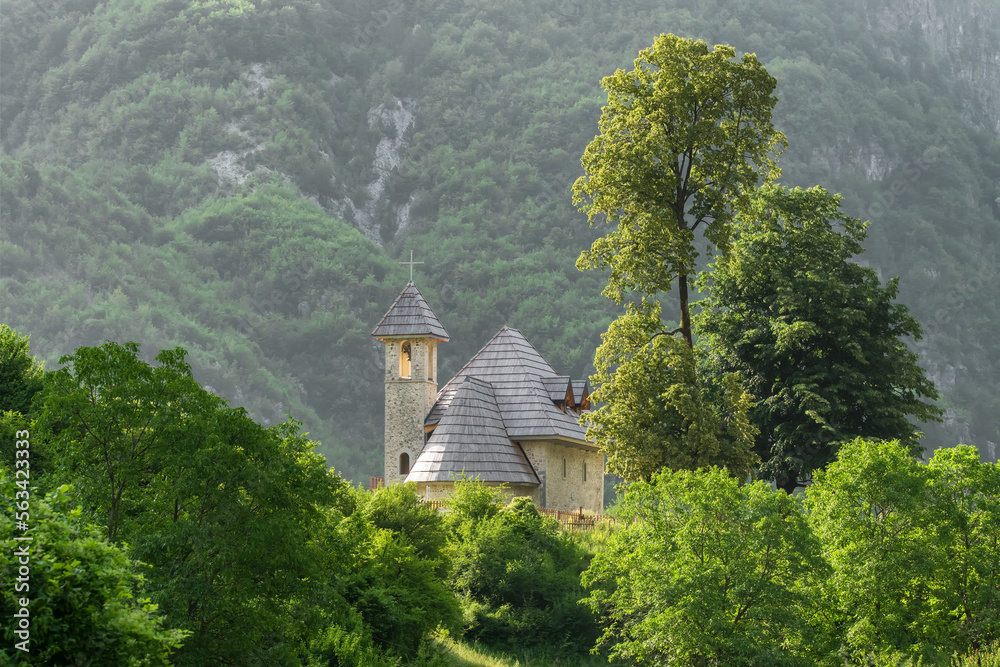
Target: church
pixel 505 418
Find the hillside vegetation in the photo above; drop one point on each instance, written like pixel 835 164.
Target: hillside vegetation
pixel 167 527
pixel 241 179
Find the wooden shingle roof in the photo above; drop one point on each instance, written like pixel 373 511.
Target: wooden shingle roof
pixel 471 439
pixel 410 316
pixel 520 379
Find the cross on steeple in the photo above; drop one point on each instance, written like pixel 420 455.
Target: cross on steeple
pixel 411 263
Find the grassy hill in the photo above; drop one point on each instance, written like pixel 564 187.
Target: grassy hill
pixel 242 178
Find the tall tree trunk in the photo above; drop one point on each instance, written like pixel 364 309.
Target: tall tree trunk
pixel 682 286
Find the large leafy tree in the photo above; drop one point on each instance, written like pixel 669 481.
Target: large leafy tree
pixel 913 547
pixel 257 550
pixel 708 571
pixel 684 137
pixel 21 378
pixel 116 421
pixel 222 508
pixel 966 495
pixel 819 341
pixel 20 374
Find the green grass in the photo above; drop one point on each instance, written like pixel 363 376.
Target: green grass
pixel 594 540
pixel 447 652
pixel 988 656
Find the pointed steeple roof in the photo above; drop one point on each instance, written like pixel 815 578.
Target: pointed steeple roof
pixel 471 439
pixel 410 316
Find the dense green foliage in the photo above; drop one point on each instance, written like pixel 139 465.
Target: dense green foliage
pixel 257 551
pixel 518 577
pixel 126 130
pixel 396 582
pixel 85 596
pixel 657 408
pixel 684 137
pixel 253 552
pixel 20 374
pixel 890 560
pixel 708 572
pixel 819 342
pixel 217 504
pixel 914 549
pixel 21 378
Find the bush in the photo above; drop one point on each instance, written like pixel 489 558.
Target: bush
pixel 913 548
pixel 84 594
pixel 517 575
pixel 394 578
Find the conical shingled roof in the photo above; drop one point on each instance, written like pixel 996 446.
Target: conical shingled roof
pixel 471 439
pixel 518 375
pixel 410 316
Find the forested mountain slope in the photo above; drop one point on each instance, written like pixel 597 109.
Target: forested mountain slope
pixel 242 178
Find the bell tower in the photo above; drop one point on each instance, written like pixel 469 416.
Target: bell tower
pixel 410 331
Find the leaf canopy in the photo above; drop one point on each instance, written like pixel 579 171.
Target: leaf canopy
pixel 821 343
pixel 685 136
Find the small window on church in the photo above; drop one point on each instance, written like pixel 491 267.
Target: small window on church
pixel 564 468
pixel 404 359
pixel 404 464
pixel 585 471
pixel 430 362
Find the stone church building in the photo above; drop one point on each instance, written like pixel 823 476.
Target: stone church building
pixel 505 418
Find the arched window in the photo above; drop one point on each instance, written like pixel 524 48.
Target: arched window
pixel 430 362
pixel 404 359
pixel 404 464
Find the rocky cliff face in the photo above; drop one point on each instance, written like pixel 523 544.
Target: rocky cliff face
pixel 949 45
pixel 963 34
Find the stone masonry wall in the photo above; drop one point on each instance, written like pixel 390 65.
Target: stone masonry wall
pixel 570 492
pixel 407 402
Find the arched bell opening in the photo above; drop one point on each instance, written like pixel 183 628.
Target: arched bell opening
pixel 404 359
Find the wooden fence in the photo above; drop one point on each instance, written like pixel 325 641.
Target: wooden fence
pixel 576 520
